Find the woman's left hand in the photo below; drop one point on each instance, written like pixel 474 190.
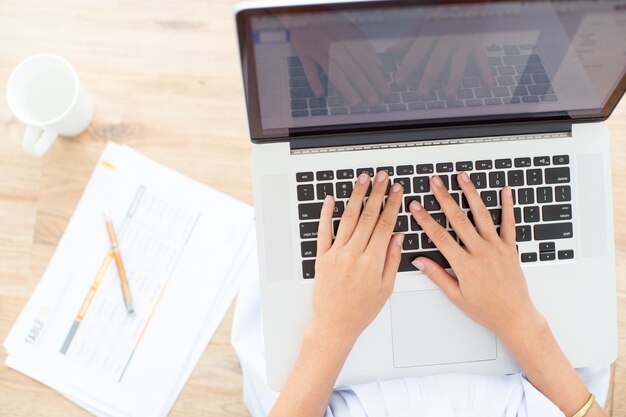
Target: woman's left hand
pixel 355 275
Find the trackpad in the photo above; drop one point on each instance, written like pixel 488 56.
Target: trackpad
pixel 427 329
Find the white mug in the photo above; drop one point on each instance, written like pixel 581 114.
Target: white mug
pixel 44 92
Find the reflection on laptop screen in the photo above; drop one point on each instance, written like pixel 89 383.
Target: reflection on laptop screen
pixel 379 64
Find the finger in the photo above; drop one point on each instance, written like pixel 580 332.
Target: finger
pixel 457 69
pixel 341 82
pixel 480 59
pixel 365 57
pixel 434 68
pixel 325 228
pixel 352 212
pixel 440 277
pixel 312 75
pixel 369 216
pixel 412 59
pixel 357 77
pixel 386 221
pixel 507 227
pixel 439 236
pixel 392 262
pixel 482 217
pixel 457 217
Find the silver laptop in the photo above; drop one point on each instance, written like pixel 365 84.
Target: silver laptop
pixel 513 92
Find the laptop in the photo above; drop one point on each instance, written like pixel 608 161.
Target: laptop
pixel 512 92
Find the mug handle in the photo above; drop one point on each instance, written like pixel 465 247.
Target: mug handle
pixel 38 140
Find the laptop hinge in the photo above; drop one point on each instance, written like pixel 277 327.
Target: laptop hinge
pixel 429 137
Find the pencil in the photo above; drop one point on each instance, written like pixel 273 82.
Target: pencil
pixel 115 250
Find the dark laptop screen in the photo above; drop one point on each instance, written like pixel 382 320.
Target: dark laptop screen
pixel 350 67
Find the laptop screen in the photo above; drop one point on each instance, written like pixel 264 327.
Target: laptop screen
pixel 349 67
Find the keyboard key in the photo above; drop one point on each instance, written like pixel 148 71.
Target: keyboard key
pixel 441 219
pixel 343 189
pixel 534 177
pixel 324 175
pixel 529 257
pixel 483 164
pixel 479 179
pixel 388 169
pixel 339 207
pixel 516 178
pixel 336 101
pixel 414 225
pixel 408 257
pixel 304 176
pixel 464 202
pixel 531 214
pixel 456 197
pixel 368 171
pixel 407 201
pixel 402 224
pixel 521 162
pixel 308 230
pixel 305 192
pixel 445 167
pixel 547 247
pixel 454 183
pixel 517 212
pixel 557 175
pixel 556 212
pixel 301 92
pixel 335 227
pixel 431 203
pixel 299 113
pixel 317 103
pixel 563 193
pixel 310 211
pixel 299 104
pixel 345 174
pixel 424 169
pixel 539 161
pixel 522 233
pixel 426 242
pixel 411 242
pixel 308 249
pixel 464 166
pixel 526 196
pixel 496 216
pixel 547 256
pixel 324 189
pixel 446 181
pixel 544 195
pixel 404 170
pixel 421 184
pixel 490 198
pixel 566 254
pixel 496 179
pixel 405 183
pixel 503 163
pixel 319 112
pixel 551 231
pixel 560 159
pixel 308 269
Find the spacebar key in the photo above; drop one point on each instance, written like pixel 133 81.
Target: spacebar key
pixel 553 231
pixel 408 257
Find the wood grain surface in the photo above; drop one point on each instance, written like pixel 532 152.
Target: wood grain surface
pixel 164 78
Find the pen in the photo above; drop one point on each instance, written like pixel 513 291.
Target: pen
pixel 115 250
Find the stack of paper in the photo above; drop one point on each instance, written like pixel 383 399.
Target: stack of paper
pixel 185 248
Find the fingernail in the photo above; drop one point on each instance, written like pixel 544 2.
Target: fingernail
pixel 380 177
pixel 396 188
pixel 437 181
pixel 419 265
pixel 415 205
pixel 363 178
pixel 465 177
pixel 399 239
pixel 327 200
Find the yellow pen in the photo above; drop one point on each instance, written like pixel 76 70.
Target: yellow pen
pixel 115 250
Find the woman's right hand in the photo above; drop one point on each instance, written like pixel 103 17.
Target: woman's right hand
pixel 490 286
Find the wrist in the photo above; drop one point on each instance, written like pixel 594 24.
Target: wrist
pixel 528 326
pixel 318 335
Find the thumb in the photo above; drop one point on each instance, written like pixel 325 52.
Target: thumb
pixel 440 277
pixel 392 261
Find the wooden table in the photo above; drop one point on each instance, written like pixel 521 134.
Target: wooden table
pixel 164 79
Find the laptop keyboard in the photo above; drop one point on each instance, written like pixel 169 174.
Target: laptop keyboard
pixel 542 195
pixel 518 74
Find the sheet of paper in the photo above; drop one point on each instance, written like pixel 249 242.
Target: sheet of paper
pixel 180 242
